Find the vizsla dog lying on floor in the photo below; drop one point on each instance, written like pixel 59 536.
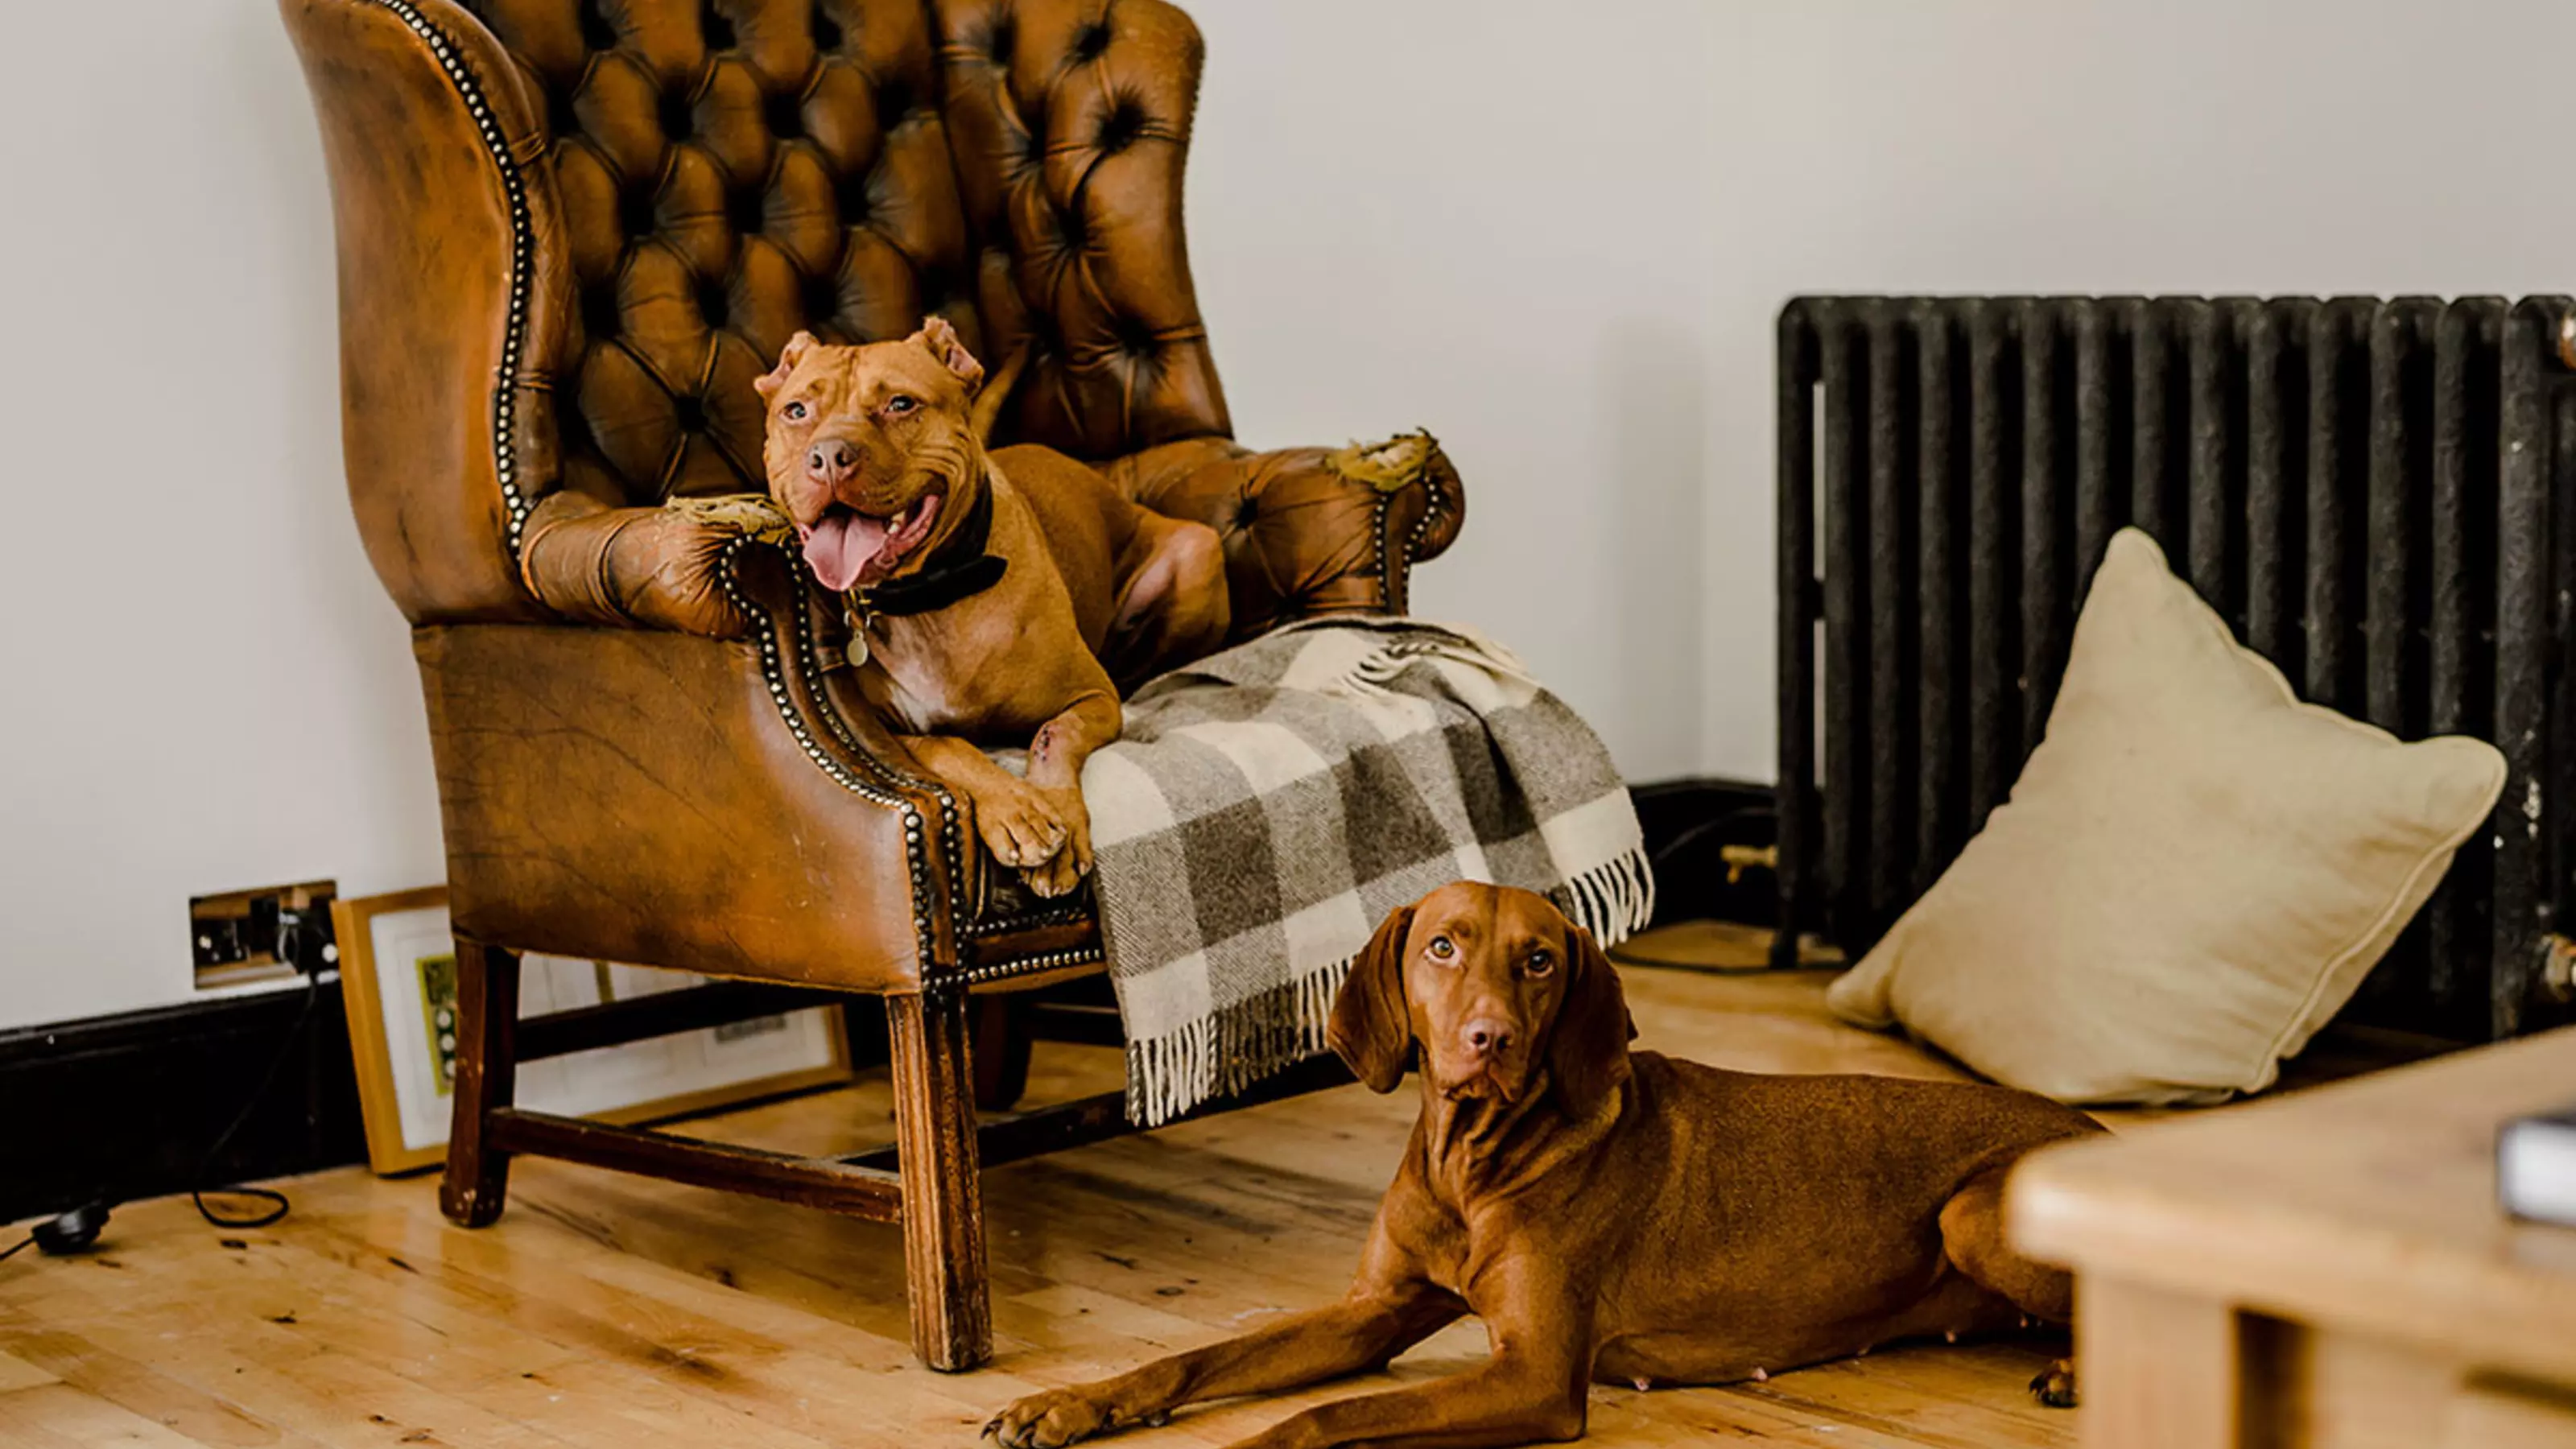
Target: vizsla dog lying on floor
pixel 985 609
pixel 1611 1215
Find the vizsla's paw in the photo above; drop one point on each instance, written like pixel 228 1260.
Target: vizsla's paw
pixel 2055 1385
pixel 1020 826
pixel 1043 1421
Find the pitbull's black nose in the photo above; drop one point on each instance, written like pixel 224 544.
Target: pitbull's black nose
pixel 831 462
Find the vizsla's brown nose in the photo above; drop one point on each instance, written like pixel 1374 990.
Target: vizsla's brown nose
pixel 832 462
pixel 1486 1037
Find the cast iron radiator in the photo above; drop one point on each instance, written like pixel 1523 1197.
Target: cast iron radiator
pixel 2363 488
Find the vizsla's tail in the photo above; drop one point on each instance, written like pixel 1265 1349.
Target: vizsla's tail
pixel 997 391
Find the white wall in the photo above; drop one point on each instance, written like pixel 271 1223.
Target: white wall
pixel 2208 146
pixel 1487 220
pixel 201 686
pixel 1560 242
pixel 1556 237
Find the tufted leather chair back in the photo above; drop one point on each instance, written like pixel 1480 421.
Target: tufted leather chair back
pixel 572 232
pixel 723 173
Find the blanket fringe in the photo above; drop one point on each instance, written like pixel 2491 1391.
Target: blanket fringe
pixel 1228 1051
pixel 1613 900
pixel 1387 663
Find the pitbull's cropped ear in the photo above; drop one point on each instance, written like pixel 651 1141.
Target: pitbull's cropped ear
pixel 1588 1054
pixel 941 339
pixel 1372 1028
pixel 788 356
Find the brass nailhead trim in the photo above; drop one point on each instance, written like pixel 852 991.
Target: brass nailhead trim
pixel 522 234
pixel 1422 526
pixel 774 674
pixel 1388 594
pixel 1027 965
pixel 950 832
pixel 1399 599
pixel 1035 921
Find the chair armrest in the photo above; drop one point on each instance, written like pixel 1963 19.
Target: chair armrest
pixel 688 568
pixel 1307 530
pixel 671 800
pixel 650 568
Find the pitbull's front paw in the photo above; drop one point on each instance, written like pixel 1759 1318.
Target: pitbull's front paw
pixel 1043 1421
pixel 1060 873
pixel 1054 878
pixel 1019 825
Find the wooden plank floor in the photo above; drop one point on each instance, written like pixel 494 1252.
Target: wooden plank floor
pixel 618 1313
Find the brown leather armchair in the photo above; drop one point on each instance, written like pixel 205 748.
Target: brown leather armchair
pixel 571 232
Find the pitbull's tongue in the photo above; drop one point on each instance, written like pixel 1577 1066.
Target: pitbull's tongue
pixel 841 547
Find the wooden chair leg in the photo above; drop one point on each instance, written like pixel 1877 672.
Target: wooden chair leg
pixel 487 1069
pixel 1001 1053
pixel 943 1203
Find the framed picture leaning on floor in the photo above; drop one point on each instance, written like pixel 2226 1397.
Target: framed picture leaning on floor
pixel 398 981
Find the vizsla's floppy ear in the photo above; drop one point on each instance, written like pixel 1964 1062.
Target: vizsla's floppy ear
pixel 1372 1028
pixel 1588 1053
pixel 788 356
pixel 941 340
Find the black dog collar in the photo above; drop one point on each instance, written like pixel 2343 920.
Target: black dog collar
pixel 959 570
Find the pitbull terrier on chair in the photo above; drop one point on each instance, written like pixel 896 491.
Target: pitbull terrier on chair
pixel 986 608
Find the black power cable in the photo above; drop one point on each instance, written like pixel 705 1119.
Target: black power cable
pixel 276 1064
pixel 78 1229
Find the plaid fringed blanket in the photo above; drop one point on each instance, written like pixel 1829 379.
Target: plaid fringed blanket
pixel 1265 808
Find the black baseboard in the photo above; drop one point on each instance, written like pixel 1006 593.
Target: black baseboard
pixel 1688 824
pixel 127 1106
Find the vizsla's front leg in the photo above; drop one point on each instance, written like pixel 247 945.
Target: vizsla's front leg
pixel 1511 1399
pixel 1533 1389
pixel 1056 754
pixel 1324 1343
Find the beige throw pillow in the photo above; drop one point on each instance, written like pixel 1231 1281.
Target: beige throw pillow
pixel 2192 876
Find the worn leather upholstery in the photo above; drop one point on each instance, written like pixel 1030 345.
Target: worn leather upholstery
pixel 651 568
pixel 571 232
pixel 711 841
pixel 1300 538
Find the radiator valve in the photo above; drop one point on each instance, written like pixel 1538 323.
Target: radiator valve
pixel 2558 967
pixel 1741 858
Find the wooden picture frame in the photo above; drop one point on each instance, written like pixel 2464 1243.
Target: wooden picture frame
pixel 392 951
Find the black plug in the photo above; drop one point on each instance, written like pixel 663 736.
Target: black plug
pixel 304 939
pixel 75 1231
